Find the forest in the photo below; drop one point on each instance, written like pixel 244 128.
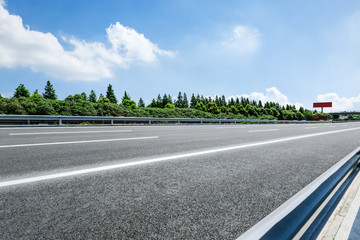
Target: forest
pixel 198 106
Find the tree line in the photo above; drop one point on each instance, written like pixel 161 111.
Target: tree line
pixel 81 104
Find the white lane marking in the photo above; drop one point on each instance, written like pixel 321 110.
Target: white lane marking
pixel 76 142
pixel 161 159
pixel 50 127
pixel 309 127
pixel 227 127
pixel 44 133
pixel 264 130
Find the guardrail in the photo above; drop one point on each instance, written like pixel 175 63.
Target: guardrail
pixel 59 120
pixel 304 215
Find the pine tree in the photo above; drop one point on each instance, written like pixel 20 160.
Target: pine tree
pixel 185 101
pixel 84 96
pixel 92 96
pixel 158 101
pixel 223 101
pixel 21 91
pixel 179 102
pixel 141 103
pixel 193 101
pixel 126 96
pixel 110 94
pixel 49 91
pixel 164 101
pixel 36 92
pixel 170 99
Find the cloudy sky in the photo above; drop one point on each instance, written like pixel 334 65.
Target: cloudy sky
pixel 291 52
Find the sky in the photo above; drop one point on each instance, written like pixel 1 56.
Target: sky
pixel 291 52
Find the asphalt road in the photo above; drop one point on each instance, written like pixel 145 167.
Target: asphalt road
pixel 158 182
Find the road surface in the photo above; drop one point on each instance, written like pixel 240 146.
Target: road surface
pixel 158 182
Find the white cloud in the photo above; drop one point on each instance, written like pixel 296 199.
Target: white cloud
pixel 272 95
pixel 42 52
pixel 340 103
pixel 244 39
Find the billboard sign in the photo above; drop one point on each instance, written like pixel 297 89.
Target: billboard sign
pixel 322 104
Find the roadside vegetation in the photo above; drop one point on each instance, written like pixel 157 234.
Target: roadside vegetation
pixel 81 104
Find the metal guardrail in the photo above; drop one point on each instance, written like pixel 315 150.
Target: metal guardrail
pixel 148 120
pixel 304 215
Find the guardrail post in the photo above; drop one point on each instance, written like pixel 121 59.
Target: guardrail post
pixel 112 121
pixel 150 122
pixel 28 121
pixel 179 122
pixel 60 121
pixel 201 122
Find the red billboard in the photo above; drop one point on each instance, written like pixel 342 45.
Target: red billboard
pixel 322 104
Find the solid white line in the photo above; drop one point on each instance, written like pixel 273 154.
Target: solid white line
pixel 265 130
pixel 76 142
pixel 50 127
pixel 161 159
pixel 44 133
pixel 227 127
pixel 309 127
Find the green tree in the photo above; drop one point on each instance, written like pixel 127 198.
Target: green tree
pixel 110 94
pixel 126 96
pixel 193 101
pixel 104 100
pixel 299 116
pixel 185 101
pixel 92 96
pixel 78 98
pixel 213 108
pixel 129 104
pixel 141 103
pixel 169 105
pixel 200 106
pixel 49 91
pixel 84 96
pixel 69 98
pixel 179 101
pixel 21 91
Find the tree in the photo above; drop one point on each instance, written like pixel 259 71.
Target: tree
pixel 223 101
pixel 78 98
pixel 104 100
pixel 110 94
pixel 193 101
pixel 141 103
pixel 129 104
pixel 169 105
pixel 92 96
pixel 179 102
pixel 200 106
pixel 185 101
pixel 21 91
pixel 70 98
pixel 35 92
pixel 126 96
pixel 301 109
pixel 213 108
pixel 49 91
pixel 84 96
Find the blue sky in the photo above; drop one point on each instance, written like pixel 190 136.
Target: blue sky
pixel 294 52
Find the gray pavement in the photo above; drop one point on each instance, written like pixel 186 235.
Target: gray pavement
pixel 215 195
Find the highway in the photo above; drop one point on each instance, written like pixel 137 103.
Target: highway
pixel 158 182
